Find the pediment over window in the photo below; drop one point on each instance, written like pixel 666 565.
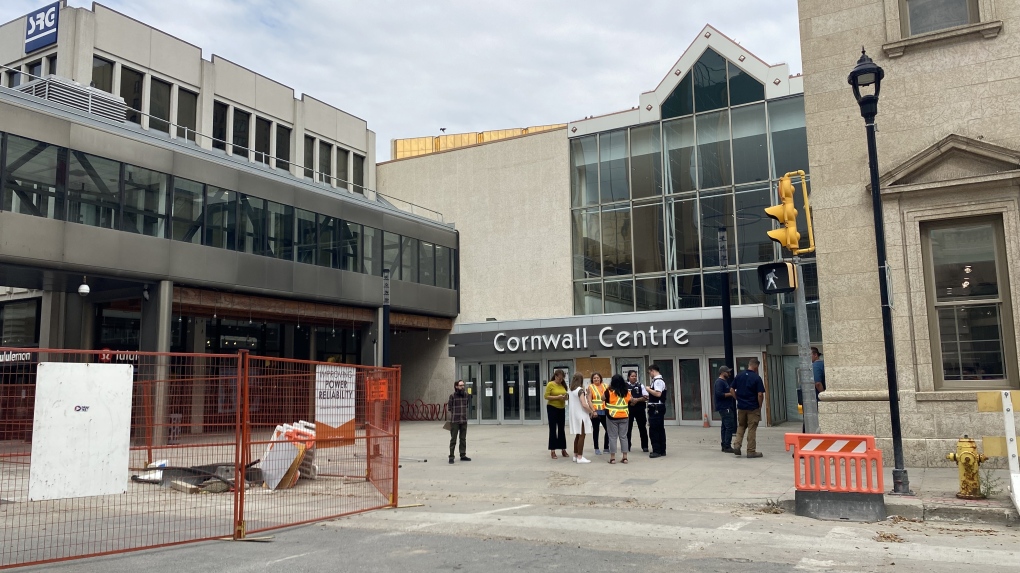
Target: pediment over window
pixel 953 161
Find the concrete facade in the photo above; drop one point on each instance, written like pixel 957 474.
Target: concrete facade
pixel 948 144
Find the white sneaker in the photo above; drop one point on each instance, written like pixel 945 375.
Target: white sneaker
pixel 583 460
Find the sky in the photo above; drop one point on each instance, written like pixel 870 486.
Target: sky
pixel 411 68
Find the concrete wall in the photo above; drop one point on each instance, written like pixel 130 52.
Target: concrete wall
pixel 427 370
pixel 964 82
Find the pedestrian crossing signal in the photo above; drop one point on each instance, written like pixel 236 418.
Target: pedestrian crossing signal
pixel 786 214
pixel 777 278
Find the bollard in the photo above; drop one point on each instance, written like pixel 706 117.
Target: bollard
pixel 968 460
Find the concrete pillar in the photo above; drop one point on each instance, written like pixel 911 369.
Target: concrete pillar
pixel 196 345
pixel 206 97
pixel 78 322
pixel 155 337
pixel 77 43
pixel 311 344
pixel 51 320
pixel 297 144
pixel 369 338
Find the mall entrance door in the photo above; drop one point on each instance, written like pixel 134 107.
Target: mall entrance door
pixel 504 392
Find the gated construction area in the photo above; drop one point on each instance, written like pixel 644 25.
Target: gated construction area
pixel 219 446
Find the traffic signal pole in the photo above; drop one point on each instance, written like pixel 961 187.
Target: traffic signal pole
pixel 805 373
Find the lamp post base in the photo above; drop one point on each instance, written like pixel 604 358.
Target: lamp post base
pixel 901 483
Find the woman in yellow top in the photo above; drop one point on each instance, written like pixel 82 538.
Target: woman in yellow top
pixel 555 409
pixel 618 400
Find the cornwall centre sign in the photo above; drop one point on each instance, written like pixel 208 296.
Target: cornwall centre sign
pixel 577 339
pixel 41 27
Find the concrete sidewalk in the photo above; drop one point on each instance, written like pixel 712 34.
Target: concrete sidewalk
pixel 512 464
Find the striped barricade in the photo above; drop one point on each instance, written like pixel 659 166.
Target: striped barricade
pixel 836 463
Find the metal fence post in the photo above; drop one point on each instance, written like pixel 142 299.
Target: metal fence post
pixel 241 440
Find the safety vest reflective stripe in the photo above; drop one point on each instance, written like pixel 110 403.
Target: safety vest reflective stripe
pixel 617 406
pixel 597 401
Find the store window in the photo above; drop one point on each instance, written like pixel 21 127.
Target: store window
pixel 102 74
pixel 93 191
pixel 21 323
pixel 970 313
pixel 33 184
pixel 145 201
pixel 131 91
pixel 924 16
pixel 187 211
pixel 242 138
pixel 159 105
pixel 219 125
pixel 187 113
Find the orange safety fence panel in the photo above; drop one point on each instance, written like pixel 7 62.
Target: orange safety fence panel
pixel 836 463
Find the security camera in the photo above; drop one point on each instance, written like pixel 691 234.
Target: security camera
pixel 84 290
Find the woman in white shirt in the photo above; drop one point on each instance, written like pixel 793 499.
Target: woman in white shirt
pixel 580 416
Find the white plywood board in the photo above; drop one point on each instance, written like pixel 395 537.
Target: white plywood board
pixel 81 435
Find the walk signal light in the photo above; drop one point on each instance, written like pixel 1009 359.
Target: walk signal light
pixel 786 214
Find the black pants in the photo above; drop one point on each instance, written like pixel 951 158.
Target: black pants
pixel 657 427
pixel 637 416
pixel 455 430
pixel 557 418
pixel 729 426
pixel 595 423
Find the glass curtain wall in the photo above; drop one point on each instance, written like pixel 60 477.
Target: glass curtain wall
pixel 648 201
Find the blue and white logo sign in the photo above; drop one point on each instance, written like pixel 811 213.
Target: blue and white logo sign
pixel 41 27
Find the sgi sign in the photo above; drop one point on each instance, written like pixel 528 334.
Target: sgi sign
pixel 41 28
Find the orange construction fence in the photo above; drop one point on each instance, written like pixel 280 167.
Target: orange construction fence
pixel 836 463
pixel 219 446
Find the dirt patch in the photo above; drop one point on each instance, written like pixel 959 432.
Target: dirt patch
pixel 889 538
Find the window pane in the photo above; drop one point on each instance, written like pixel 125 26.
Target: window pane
pixel 219 125
pixel 263 129
pixel 753 225
pixel 282 147
pixel 613 166
pixel 686 291
pixel 750 289
pixel 684 234
pixel 329 242
pixel 13 79
pixel 93 190
pixel 680 165
pixel 709 82
pixel 716 212
pixel 713 288
pixel 325 162
pixel 963 260
pixel 587 243
pixel 280 226
pixel 358 174
pixel 221 218
pixel 650 294
pixel 409 259
pixel 584 181
pixel 34 70
pixel 750 144
pixel 309 156
pixel 372 251
pixel 443 261
pixel 681 101
pixel 307 238
pixel 252 225
pixel 588 297
pixel 131 91
pixel 102 74
pixel 619 296
pixel 144 201
pixel 426 263
pixel 649 246
pixel 51 64
pixel 187 113
pixel 789 136
pixel 187 211
pixel 159 106
pixel 714 150
pixel 616 246
pixel 743 87
pixel 932 15
pixel 646 161
pixel 342 176
pixel 19 323
pixel 350 246
pixel 391 254
pixel 31 176
pixel 242 125
pixel 971 338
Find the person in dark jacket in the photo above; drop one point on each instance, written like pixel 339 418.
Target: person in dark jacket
pixel 750 391
pixel 726 405
pixel 457 406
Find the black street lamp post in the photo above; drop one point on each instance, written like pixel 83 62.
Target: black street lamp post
pixel 864 74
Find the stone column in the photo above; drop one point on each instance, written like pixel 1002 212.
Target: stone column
pixel 155 337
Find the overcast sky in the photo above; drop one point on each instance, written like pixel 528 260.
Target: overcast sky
pixel 410 68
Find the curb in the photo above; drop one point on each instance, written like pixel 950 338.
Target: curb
pixel 916 508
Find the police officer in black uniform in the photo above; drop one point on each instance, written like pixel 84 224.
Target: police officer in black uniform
pixel 637 410
pixel 656 391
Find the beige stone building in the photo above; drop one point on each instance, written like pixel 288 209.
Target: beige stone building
pixel 949 153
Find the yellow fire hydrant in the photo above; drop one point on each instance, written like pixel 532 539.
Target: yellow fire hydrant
pixel 967 460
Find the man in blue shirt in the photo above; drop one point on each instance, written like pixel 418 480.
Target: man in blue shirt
pixel 818 369
pixel 750 391
pixel 726 405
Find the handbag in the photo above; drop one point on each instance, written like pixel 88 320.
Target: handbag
pixel 448 425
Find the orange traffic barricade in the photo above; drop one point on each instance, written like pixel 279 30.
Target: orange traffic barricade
pixel 836 463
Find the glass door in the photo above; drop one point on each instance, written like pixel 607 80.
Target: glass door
pixel 488 398
pixel 567 366
pixel 691 393
pixel 625 365
pixel 511 393
pixel 713 369
pixel 469 374
pixel 530 392
pixel 666 369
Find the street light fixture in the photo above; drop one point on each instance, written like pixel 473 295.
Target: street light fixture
pixel 867 73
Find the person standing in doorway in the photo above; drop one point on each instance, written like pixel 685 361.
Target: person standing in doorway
pixel 750 394
pixel 726 405
pixel 580 416
pixel 617 413
pixel 637 410
pixel 457 406
pixel 555 409
pixel 656 391
pixel 818 370
pixel 597 395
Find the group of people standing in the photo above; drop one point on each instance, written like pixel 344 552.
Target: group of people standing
pixel 738 401
pixel 613 408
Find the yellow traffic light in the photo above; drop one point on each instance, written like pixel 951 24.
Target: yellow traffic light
pixel 786 214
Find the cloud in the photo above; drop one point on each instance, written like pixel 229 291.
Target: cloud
pixel 409 68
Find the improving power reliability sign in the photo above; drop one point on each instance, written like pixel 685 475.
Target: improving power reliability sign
pixel 41 27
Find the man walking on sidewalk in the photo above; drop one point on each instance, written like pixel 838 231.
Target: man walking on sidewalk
pixel 726 405
pixel 457 406
pixel 750 391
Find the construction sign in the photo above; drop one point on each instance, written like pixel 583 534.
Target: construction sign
pixel 334 401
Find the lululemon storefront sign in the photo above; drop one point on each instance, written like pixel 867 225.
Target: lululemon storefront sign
pixel 577 339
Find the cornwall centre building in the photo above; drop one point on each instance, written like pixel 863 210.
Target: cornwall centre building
pixel 157 201
pixel 595 247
